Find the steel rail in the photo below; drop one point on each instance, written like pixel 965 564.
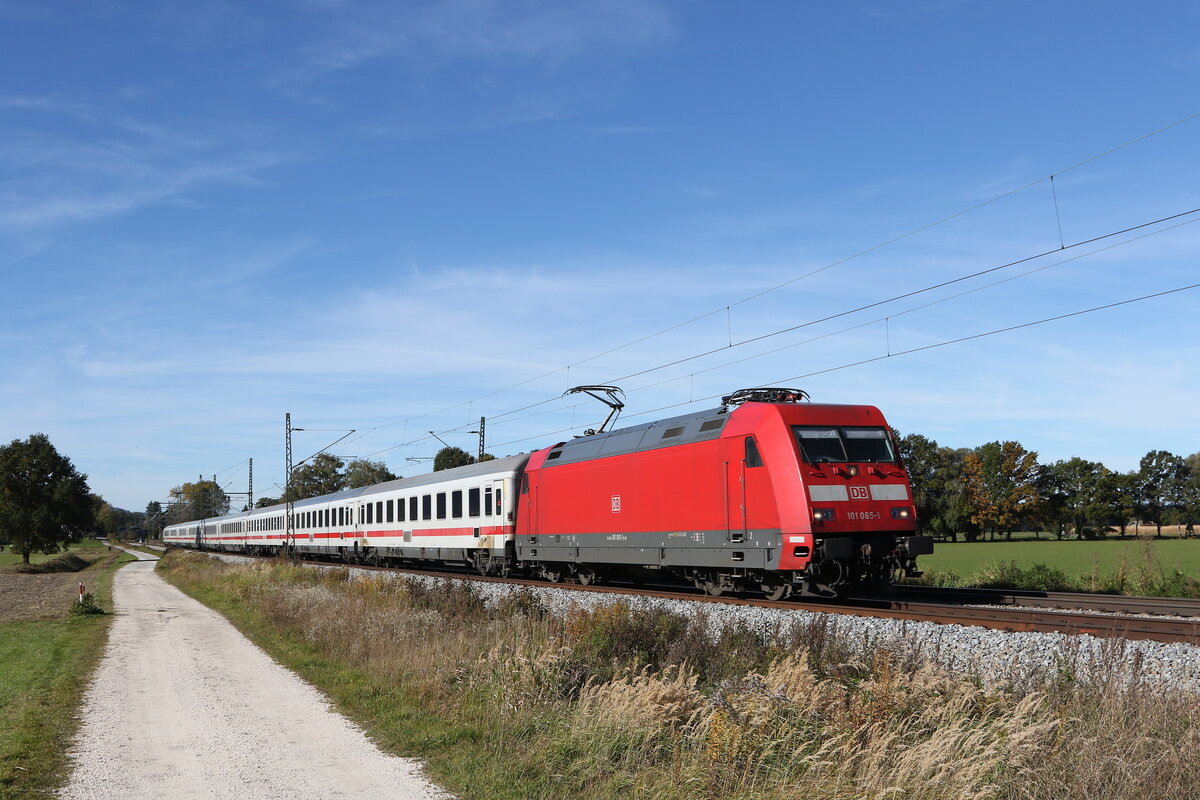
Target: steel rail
pixel 1108 603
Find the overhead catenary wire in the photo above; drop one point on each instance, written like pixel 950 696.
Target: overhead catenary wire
pixel 1103 237
pixel 909 351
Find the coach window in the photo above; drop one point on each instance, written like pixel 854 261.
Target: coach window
pixel 441 505
pixel 400 503
pixel 499 503
pixel 379 511
pixel 473 503
pixel 390 513
pixel 426 506
pixel 325 515
pixel 456 504
pixel 487 501
pixel 370 515
pixel 753 459
pixel 412 509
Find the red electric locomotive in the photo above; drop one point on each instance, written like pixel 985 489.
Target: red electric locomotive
pixel 767 491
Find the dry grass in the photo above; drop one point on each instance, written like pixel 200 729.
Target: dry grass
pixel 616 703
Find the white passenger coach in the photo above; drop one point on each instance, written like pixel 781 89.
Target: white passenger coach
pixel 456 515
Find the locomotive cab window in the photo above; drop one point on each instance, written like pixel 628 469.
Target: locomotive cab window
pixel 868 444
pixel 844 444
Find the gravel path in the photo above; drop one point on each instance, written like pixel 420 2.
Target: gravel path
pixel 184 706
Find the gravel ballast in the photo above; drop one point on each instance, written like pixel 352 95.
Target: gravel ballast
pixel 997 658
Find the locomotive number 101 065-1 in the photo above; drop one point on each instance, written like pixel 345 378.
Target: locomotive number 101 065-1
pixel 863 515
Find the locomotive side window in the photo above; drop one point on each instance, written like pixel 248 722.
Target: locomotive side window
pixel 473 502
pixel 441 505
pixel 427 506
pixel 753 459
pixel 456 504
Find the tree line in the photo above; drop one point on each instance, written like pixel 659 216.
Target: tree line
pixel 1000 487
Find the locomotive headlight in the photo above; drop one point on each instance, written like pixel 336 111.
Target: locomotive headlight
pixel 823 515
pixel 902 513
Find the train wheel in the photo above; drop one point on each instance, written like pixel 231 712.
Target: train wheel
pixel 775 590
pixel 710 584
pixel 586 576
pixel 552 573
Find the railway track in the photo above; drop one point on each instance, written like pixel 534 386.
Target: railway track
pixel 987 608
pixel 1107 603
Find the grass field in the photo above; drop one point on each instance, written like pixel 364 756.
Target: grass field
pixel 1131 565
pixel 44 668
pixel 88 549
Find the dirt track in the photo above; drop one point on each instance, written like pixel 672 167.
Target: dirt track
pixel 184 706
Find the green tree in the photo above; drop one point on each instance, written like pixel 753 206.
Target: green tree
pixel 451 457
pixel 199 500
pixel 321 475
pixel 1075 492
pixel 44 500
pixel 1189 508
pixel 154 519
pixel 1161 477
pixel 1001 482
pixel 361 472
pixel 938 490
pixel 1122 491
pixel 263 502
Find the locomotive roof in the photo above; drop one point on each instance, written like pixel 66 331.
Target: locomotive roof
pixel 698 426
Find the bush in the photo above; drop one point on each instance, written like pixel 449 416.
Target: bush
pixel 86 606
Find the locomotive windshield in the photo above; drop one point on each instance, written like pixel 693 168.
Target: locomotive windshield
pixel 844 444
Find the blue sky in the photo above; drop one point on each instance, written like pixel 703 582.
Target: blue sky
pixel 383 216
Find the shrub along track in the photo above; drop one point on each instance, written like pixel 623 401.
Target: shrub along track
pixel 956 606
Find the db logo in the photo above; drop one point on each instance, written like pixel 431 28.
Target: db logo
pixel 616 503
pixel 859 493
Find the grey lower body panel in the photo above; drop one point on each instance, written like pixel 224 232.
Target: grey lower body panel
pixel 757 549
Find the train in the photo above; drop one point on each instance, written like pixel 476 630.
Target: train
pixel 769 492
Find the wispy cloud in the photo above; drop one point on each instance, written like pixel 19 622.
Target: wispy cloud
pixel 450 31
pixel 102 164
